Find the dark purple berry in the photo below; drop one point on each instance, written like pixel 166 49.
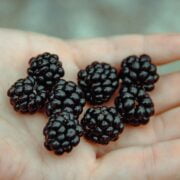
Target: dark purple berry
pixel 27 96
pixel 46 69
pixel 98 82
pixel 65 95
pixel 62 133
pixel 139 71
pixel 135 105
pixel 102 124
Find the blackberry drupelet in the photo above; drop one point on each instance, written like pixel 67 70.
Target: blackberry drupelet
pixel 65 95
pixel 62 133
pixel 98 82
pixel 139 71
pixel 135 105
pixel 102 124
pixel 27 96
pixel 46 69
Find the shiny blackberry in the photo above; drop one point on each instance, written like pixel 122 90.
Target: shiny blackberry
pixel 62 133
pixel 46 69
pixel 98 82
pixel 139 71
pixel 102 124
pixel 27 96
pixel 65 95
pixel 135 105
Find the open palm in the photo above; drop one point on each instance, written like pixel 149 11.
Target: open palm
pixel 145 152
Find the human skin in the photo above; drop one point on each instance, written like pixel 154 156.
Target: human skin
pixel 145 152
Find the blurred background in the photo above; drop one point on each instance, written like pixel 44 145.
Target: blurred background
pixel 91 18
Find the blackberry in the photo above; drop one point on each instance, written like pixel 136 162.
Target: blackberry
pixel 98 81
pixel 140 71
pixel 135 105
pixel 65 95
pixel 27 96
pixel 62 133
pixel 102 124
pixel 46 69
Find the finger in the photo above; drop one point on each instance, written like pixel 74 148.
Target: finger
pixel 162 48
pixel 164 127
pixel 166 94
pixel 160 128
pixel 160 161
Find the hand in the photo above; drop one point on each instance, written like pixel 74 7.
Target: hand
pixel 145 152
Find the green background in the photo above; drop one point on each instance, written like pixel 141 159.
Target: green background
pixel 92 18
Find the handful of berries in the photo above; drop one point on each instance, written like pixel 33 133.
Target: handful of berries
pixel 63 101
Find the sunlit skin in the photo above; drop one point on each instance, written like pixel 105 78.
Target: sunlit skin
pixel 145 152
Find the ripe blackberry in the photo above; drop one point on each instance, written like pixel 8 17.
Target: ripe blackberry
pixel 98 81
pixel 102 124
pixel 62 133
pixel 46 69
pixel 135 105
pixel 27 96
pixel 65 95
pixel 139 71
